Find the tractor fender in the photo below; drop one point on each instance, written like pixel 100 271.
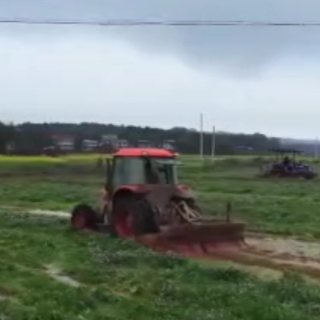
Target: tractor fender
pixel 123 190
pixel 126 191
pixel 184 192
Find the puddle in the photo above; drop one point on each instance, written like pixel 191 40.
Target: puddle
pixel 2 297
pixel 57 274
pixel 53 213
pixel 5 294
pixel 62 214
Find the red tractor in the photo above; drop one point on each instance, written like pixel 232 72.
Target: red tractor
pixel 143 200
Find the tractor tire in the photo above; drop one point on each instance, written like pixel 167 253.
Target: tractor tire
pixel 144 218
pixel 118 218
pixel 83 217
pixel 309 176
pixel 131 217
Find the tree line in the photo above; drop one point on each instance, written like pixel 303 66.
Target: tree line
pixel 32 138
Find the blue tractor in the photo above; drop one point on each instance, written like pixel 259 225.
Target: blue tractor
pixel 285 165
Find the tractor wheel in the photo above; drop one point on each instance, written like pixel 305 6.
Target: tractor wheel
pixel 121 217
pixel 83 217
pixel 144 220
pixel 133 217
pixel 308 176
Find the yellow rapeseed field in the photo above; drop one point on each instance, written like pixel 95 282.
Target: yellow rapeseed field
pixel 38 160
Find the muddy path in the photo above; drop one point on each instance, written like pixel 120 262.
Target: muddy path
pixel 261 250
pixel 280 253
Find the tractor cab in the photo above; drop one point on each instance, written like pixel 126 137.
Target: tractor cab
pixel 135 167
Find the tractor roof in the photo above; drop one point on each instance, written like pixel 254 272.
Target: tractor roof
pixel 140 152
pixel 286 151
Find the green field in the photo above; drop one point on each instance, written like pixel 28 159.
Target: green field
pixel 49 272
pixel 280 206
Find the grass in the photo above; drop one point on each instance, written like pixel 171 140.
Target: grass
pixel 111 276
pixel 280 206
pixel 38 253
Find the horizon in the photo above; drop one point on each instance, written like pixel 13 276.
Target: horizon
pixel 218 131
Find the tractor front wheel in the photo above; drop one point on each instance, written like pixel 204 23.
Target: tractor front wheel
pixel 308 176
pixel 83 217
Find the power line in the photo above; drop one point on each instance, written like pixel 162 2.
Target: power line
pixel 164 23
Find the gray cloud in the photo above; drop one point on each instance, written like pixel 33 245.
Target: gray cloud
pixel 241 50
pixel 243 79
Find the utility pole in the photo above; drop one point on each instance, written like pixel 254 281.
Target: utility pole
pixel 213 144
pixel 316 149
pixel 201 136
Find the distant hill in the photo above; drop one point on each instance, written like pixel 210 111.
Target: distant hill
pixel 34 138
pixel 307 146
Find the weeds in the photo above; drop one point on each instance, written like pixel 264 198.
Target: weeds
pixel 277 206
pixel 120 280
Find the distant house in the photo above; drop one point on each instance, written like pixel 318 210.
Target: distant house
pixel 64 143
pixel 109 138
pixel 111 142
pixel 243 149
pixel 10 147
pixel 122 143
pixel 90 145
pixel 169 145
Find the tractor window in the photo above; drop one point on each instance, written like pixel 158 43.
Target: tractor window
pixel 164 170
pixel 131 170
pixel 128 171
pixel 167 174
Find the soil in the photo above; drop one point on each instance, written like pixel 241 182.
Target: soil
pixel 259 253
pixel 282 254
pixel 6 293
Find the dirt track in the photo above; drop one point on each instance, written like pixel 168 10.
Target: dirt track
pixel 274 253
pixel 282 253
pixel 261 250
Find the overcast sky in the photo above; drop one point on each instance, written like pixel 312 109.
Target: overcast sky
pixel 243 79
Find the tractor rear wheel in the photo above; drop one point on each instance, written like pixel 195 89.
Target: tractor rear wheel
pixel 308 176
pixel 144 218
pixel 133 216
pixel 83 217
